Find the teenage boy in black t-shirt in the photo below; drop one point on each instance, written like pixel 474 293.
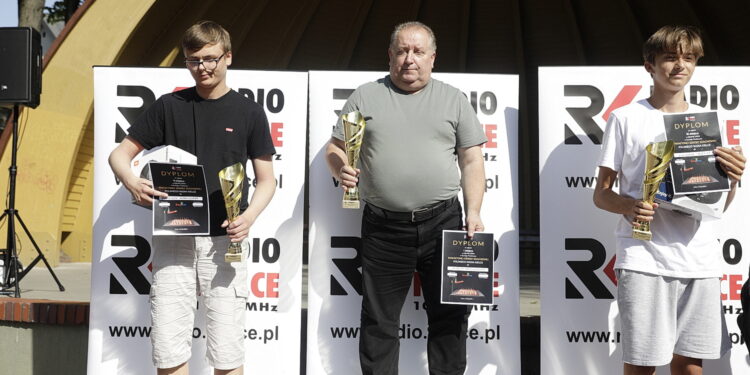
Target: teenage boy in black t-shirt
pixel 221 127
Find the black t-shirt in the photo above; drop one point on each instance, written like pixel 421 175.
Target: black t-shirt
pixel 220 132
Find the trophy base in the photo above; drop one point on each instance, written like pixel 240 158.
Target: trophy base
pixel 351 198
pixel 233 258
pixel 641 235
pixel 350 204
pixel 237 252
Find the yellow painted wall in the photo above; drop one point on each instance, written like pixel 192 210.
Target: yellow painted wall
pixel 52 133
pixel 77 213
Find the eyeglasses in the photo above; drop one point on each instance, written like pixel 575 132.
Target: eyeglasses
pixel 208 64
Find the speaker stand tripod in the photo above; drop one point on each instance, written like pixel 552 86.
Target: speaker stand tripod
pixel 11 213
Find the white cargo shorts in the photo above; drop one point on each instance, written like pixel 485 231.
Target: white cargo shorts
pixel 184 268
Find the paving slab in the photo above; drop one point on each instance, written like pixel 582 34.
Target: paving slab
pixel 75 278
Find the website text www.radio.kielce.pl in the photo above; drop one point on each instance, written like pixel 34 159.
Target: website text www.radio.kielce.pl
pixel 406 331
pixel 604 337
pixel 580 181
pixel 263 335
pixel 593 336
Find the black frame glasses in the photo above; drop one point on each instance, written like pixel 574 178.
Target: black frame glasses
pixel 208 64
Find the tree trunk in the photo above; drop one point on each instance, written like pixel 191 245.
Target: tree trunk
pixel 30 13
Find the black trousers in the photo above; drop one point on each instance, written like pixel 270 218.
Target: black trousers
pixel 391 251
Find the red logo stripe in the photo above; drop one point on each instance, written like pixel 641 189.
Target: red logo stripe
pixel 625 96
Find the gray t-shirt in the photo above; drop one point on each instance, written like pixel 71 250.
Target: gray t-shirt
pixel 408 155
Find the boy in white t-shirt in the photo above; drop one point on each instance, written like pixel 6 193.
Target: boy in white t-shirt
pixel 668 288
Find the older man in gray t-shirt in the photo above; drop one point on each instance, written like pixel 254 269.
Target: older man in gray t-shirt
pixel 420 132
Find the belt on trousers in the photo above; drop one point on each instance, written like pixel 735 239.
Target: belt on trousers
pixel 418 214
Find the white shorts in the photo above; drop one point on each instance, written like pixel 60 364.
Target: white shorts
pixel 661 316
pixel 183 268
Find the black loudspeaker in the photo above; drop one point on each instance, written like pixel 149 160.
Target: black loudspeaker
pixel 21 72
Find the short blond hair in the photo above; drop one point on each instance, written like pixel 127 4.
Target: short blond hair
pixel 205 33
pixel 673 39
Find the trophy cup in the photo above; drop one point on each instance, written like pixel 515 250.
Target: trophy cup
pixel 231 179
pixel 354 131
pixel 658 156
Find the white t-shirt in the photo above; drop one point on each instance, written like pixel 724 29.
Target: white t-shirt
pixel 681 246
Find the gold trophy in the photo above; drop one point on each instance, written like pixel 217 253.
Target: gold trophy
pixel 354 131
pixel 231 179
pixel 658 156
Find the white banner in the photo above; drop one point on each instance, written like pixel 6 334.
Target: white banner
pixel 121 276
pixel 579 322
pixel 334 292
